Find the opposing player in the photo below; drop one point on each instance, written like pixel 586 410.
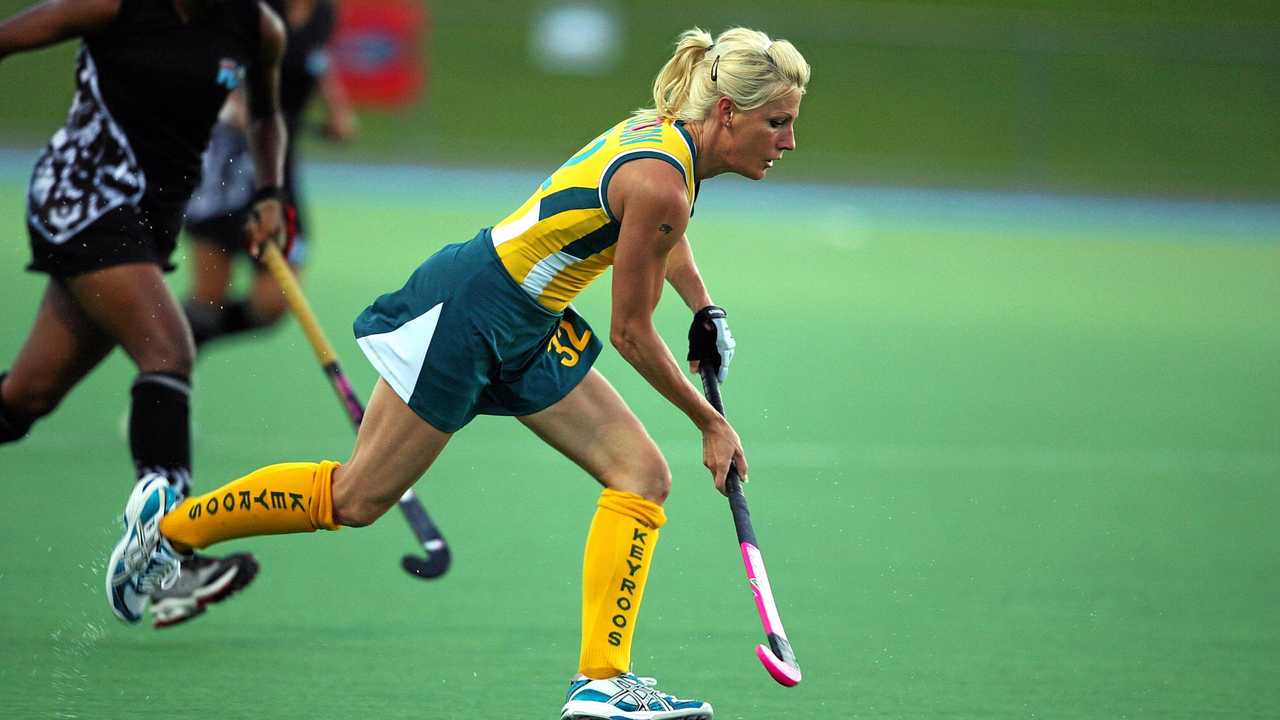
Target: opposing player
pixel 486 326
pixel 219 207
pixel 103 211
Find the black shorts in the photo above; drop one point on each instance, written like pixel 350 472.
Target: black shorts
pixel 88 204
pixel 142 232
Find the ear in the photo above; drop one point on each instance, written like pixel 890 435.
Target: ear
pixel 724 111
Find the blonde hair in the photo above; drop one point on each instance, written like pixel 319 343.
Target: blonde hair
pixel 744 65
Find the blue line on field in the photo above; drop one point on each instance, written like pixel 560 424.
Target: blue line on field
pixel 840 206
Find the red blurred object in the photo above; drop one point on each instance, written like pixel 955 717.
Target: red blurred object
pixel 378 50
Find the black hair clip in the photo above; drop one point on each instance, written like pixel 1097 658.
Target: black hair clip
pixel 715 67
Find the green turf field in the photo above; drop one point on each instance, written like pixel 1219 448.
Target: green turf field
pixel 1010 459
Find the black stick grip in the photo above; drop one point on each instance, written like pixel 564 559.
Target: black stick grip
pixel 421 523
pixel 732 482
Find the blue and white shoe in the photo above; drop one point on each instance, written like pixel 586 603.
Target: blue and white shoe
pixel 627 697
pixel 143 561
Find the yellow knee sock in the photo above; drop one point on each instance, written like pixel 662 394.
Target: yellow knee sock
pixel 285 498
pixel 615 565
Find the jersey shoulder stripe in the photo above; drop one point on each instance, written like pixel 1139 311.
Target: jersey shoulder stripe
pixel 562 237
pixel 635 155
pixel 574 198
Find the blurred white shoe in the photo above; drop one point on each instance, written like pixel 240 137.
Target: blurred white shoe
pixel 142 562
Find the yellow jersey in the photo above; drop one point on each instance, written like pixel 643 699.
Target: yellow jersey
pixel 564 236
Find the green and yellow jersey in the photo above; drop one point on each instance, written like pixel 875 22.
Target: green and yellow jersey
pixel 564 236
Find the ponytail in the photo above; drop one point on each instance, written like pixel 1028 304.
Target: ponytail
pixel 744 65
pixel 671 87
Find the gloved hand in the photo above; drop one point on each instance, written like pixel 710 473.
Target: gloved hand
pixel 710 341
pixel 266 222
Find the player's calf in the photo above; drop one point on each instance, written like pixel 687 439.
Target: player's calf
pixel 13 426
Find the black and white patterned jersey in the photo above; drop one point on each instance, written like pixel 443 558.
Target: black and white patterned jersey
pixel 148 90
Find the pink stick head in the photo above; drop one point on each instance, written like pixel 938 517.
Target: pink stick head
pixel 785 674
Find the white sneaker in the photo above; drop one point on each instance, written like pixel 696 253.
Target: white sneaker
pixel 143 561
pixel 205 580
pixel 627 697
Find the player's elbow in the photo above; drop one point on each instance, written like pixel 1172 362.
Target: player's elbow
pixel 626 337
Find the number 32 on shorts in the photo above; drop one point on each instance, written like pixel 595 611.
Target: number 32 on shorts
pixel 571 346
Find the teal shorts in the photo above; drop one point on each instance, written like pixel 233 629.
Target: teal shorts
pixel 461 339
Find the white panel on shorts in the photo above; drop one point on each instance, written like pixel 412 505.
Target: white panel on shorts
pixel 398 355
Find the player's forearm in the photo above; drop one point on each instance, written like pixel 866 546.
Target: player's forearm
pixel 52 22
pixel 334 95
pixel 267 137
pixel 682 274
pixel 267 134
pixel 642 347
pixel 29 30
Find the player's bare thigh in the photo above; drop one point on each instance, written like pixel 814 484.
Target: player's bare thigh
pixel 132 304
pixel 211 277
pixel 64 345
pixel 267 297
pixel 393 449
pixel 594 427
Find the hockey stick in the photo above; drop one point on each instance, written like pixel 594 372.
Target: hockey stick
pixel 437 560
pixel 778 657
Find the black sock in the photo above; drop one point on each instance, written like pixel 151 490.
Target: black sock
pixel 209 321
pixel 205 320
pixel 238 317
pixel 13 427
pixel 160 427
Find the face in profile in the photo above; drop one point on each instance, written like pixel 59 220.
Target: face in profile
pixel 761 136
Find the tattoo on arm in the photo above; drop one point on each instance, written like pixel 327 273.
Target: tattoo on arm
pixel 665 228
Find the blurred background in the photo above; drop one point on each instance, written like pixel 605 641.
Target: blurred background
pixel 1084 96
pixel 1008 377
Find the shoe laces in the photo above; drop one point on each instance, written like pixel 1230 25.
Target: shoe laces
pixel 647 681
pixel 159 575
pixel 645 690
pixel 161 571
